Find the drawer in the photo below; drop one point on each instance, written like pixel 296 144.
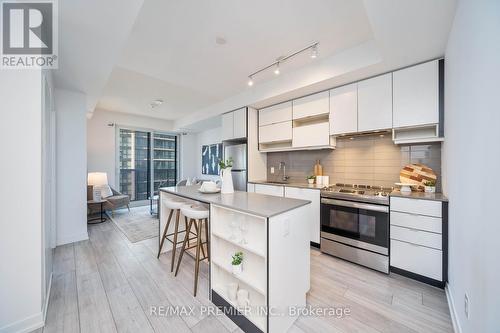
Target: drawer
pixel 420 222
pixel 417 206
pixel 275 114
pixel 417 259
pixel 417 237
pixel 311 135
pixel 275 190
pixel 275 132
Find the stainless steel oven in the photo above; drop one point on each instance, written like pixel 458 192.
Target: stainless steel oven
pixel 356 231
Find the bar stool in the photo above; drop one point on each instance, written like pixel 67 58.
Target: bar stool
pixel 198 218
pixel 174 204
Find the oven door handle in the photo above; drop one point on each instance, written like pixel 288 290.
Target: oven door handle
pixel 359 205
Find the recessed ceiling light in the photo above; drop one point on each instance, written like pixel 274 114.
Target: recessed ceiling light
pixel 220 40
pixel 156 103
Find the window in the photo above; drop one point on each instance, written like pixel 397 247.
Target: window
pixel 147 161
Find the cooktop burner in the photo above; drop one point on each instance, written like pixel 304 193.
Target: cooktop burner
pixel 357 192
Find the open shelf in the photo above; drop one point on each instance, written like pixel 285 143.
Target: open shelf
pixel 256 300
pixel 241 277
pixel 243 246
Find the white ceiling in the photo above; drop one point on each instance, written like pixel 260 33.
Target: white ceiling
pixel 167 49
pixel 174 42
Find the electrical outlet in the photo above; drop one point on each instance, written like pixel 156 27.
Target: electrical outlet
pixel 272 170
pixel 466 305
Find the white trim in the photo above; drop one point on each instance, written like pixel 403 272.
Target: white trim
pixel 47 297
pixel 451 304
pixel 72 238
pixel 27 324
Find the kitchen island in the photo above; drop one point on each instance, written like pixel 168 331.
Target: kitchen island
pixel 273 234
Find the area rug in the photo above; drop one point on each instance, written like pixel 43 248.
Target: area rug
pixel 137 224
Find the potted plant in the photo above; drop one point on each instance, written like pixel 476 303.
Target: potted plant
pixel 311 179
pixel 430 186
pixel 227 177
pixel 237 262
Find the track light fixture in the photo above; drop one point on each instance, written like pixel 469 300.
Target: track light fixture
pixel 314 54
pixel 277 69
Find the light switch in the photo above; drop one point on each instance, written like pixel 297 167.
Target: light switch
pixel 272 169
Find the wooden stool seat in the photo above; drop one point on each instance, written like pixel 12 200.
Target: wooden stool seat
pixel 198 219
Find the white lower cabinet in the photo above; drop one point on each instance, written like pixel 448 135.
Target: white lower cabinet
pixel 418 234
pixel 314 207
pixel 250 187
pixel 417 259
pixel 269 189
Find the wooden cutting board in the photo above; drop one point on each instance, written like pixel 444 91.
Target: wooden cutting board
pixel 417 174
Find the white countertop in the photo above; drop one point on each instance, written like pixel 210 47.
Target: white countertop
pixel 289 184
pixel 252 203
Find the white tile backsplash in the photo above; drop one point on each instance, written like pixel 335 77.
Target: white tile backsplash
pixel 364 160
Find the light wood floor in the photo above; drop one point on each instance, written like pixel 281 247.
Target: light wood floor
pixel 108 284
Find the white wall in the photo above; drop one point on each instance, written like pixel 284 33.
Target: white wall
pixel 20 200
pixel 471 159
pixel 101 146
pixel 71 165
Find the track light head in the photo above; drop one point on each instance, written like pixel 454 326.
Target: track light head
pixel 250 81
pixel 314 51
pixel 277 69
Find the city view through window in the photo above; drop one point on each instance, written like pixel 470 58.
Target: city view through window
pixel 147 161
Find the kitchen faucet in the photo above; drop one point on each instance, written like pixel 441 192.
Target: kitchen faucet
pixel 285 177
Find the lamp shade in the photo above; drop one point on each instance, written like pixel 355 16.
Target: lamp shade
pixel 97 178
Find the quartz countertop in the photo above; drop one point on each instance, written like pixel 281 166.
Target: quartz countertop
pixel 252 203
pixel 419 195
pixel 289 184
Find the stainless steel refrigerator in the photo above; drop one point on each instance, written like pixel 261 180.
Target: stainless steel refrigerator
pixel 239 155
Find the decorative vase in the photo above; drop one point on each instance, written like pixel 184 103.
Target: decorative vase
pixel 237 269
pixel 227 181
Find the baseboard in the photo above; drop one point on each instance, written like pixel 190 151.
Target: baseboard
pixel 453 312
pixel 25 325
pixel 72 238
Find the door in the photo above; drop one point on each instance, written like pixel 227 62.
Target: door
pixel 239 180
pixel 239 155
pixel 314 208
pixel 344 109
pixel 375 103
pixel 312 105
pixel 276 132
pixel 367 223
pixel 275 114
pixel 416 95
pixel 227 126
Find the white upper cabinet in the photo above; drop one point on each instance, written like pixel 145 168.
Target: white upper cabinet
pixel 312 105
pixel 234 124
pixel 344 109
pixel 279 132
pixel 240 123
pixel 275 114
pixel 416 95
pixel 316 134
pixel 227 126
pixel 375 103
